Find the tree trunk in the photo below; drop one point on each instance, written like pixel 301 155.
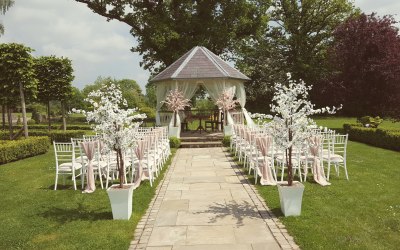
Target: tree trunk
pixel 48 114
pixel 9 117
pixel 3 116
pixel 289 164
pixel 175 118
pixel 63 116
pixel 120 164
pixel 24 120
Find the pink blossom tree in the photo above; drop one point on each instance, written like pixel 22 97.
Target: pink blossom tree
pixel 225 102
pixel 175 101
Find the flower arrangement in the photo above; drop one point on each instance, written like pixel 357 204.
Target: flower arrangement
pixel 114 123
pixel 292 125
pixel 175 101
pixel 226 102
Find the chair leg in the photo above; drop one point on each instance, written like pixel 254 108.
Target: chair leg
pixel 55 185
pixel 345 170
pixel 74 179
pixel 100 176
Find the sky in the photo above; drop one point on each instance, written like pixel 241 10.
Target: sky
pixel 95 46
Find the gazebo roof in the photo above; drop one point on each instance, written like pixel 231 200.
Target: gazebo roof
pixel 199 63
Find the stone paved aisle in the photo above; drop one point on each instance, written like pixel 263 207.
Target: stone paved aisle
pixel 205 202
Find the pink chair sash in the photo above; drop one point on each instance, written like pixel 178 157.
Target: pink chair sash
pixel 264 144
pixel 319 174
pixel 90 149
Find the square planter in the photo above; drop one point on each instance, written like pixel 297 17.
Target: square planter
pixel 228 130
pixel 174 132
pixel 291 198
pixel 121 201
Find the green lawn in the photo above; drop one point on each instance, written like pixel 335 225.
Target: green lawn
pixel 34 216
pixel 337 122
pixel 363 213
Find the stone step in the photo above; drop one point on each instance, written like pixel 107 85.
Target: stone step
pixel 201 139
pixel 205 144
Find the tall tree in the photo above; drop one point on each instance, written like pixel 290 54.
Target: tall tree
pixel 131 91
pixel 304 32
pixel 55 76
pixel 4 6
pixel 17 75
pixel 366 57
pixel 299 34
pixel 166 30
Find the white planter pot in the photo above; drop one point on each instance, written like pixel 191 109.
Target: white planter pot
pixel 174 132
pixel 228 130
pixel 121 201
pixel 291 198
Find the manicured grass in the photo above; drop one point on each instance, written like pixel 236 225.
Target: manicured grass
pixel 363 213
pixel 337 122
pixel 34 216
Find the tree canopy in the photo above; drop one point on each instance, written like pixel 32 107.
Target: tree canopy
pixel 131 91
pixel 55 76
pixel 299 35
pixel 17 76
pixel 166 30
pixel 366 57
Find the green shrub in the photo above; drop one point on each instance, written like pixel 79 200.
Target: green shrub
pixel 368 121
pixel 60 136
pixel 20 149
pixel 150 112
pixel 76 119
pixel 56 126
pixel 174 142
pixel 383 138
pixel 226 141
pixel 4 135
pixel 55 135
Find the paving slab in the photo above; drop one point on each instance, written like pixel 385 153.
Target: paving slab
pixel 205 202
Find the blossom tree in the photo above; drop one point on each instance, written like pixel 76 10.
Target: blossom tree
pixel 292 125
pixel 226 102
pixel 114 123
pixel 175 101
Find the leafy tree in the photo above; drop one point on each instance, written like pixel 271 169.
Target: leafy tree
pixel 165 30
pixel 151 97
pixel 304 32
pixel 17 76
pixel 76 99
pixel 55 76
pixel 131 91
pixel 366 57
pixel 4 6
pixel 299 35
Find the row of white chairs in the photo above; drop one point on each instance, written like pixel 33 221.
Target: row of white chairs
pixel 332 152
pixel 72 160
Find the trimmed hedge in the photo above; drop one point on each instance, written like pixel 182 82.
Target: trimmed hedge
pixel 59 136
pixel 226 141
pixel 20 149
pixel 54 135
pixel 54 126
pixel 174 142
pixel 383 138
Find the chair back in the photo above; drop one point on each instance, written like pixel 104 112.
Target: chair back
pixel 64 152
pixel 340 144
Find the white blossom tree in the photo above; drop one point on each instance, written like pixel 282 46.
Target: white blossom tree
pixel 114 123
pixel 226 102
pixel 175 101
pixel 292 125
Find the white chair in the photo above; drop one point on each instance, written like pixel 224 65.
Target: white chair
pixel 65 162
pixel 280 158
pixel 337 154
pixel 80 156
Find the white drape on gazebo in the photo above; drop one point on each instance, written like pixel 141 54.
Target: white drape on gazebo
pixel 214 87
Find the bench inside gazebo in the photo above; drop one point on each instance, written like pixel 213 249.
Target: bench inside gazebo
pixel 201 67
